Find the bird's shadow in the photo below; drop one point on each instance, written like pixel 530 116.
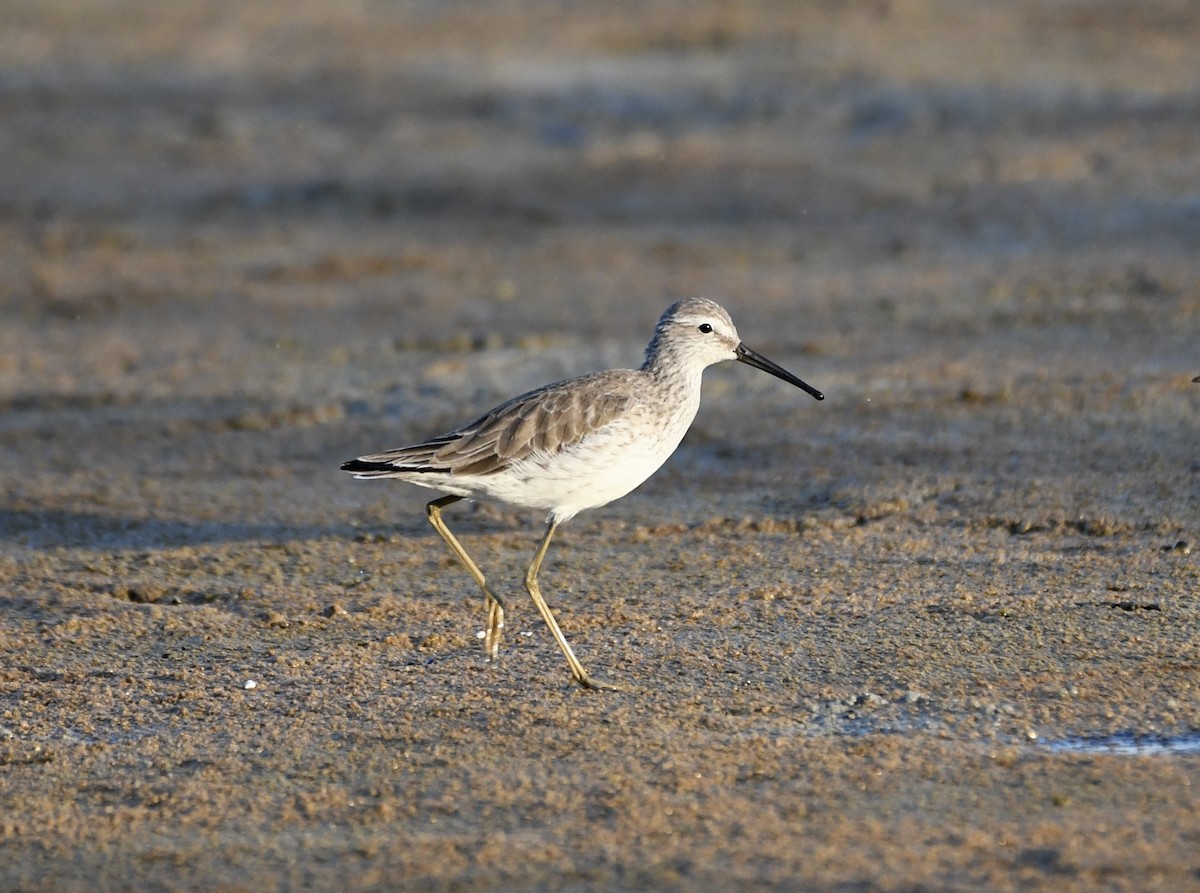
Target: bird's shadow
pixel 55 528
pixel 44 528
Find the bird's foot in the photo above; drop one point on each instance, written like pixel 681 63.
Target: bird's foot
pixel 595 683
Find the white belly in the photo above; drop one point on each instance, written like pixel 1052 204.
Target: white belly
pixel 604 466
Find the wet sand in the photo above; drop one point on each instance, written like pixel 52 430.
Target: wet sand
pixel 875 643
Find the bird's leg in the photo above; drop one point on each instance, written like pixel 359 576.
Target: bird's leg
pixel 495 608
pixel 578 673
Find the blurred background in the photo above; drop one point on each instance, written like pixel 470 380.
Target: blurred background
pixel 282 214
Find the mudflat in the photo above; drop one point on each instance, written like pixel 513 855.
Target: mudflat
pixel 938 632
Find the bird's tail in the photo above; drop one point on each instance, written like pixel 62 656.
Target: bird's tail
pixel 364 469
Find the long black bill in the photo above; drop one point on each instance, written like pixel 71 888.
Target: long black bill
pixel 758 361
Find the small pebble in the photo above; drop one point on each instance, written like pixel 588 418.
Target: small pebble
pixel 250 683
pixel 276 619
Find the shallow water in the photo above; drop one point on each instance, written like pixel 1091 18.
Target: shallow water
pixel 1129 744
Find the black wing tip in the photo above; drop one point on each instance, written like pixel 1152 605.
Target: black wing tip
pixel 367 468
pixel 358 465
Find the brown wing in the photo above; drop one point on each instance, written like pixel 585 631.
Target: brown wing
pixel 546 420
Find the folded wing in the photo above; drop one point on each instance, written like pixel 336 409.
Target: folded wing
pixel 545 421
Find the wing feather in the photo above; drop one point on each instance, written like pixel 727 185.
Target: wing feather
pixel 546 420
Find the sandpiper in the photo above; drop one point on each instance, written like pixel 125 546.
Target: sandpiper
pixel 574 444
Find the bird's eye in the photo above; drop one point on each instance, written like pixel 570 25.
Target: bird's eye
pixel 705 328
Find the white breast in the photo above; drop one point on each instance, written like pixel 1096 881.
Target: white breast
pixel 604 466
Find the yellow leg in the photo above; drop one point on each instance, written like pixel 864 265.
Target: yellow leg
pixel 495 608
pixel 578 673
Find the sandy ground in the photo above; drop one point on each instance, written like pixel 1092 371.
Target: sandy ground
pixel 875 643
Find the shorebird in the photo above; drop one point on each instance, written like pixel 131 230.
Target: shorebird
pixel 573 445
